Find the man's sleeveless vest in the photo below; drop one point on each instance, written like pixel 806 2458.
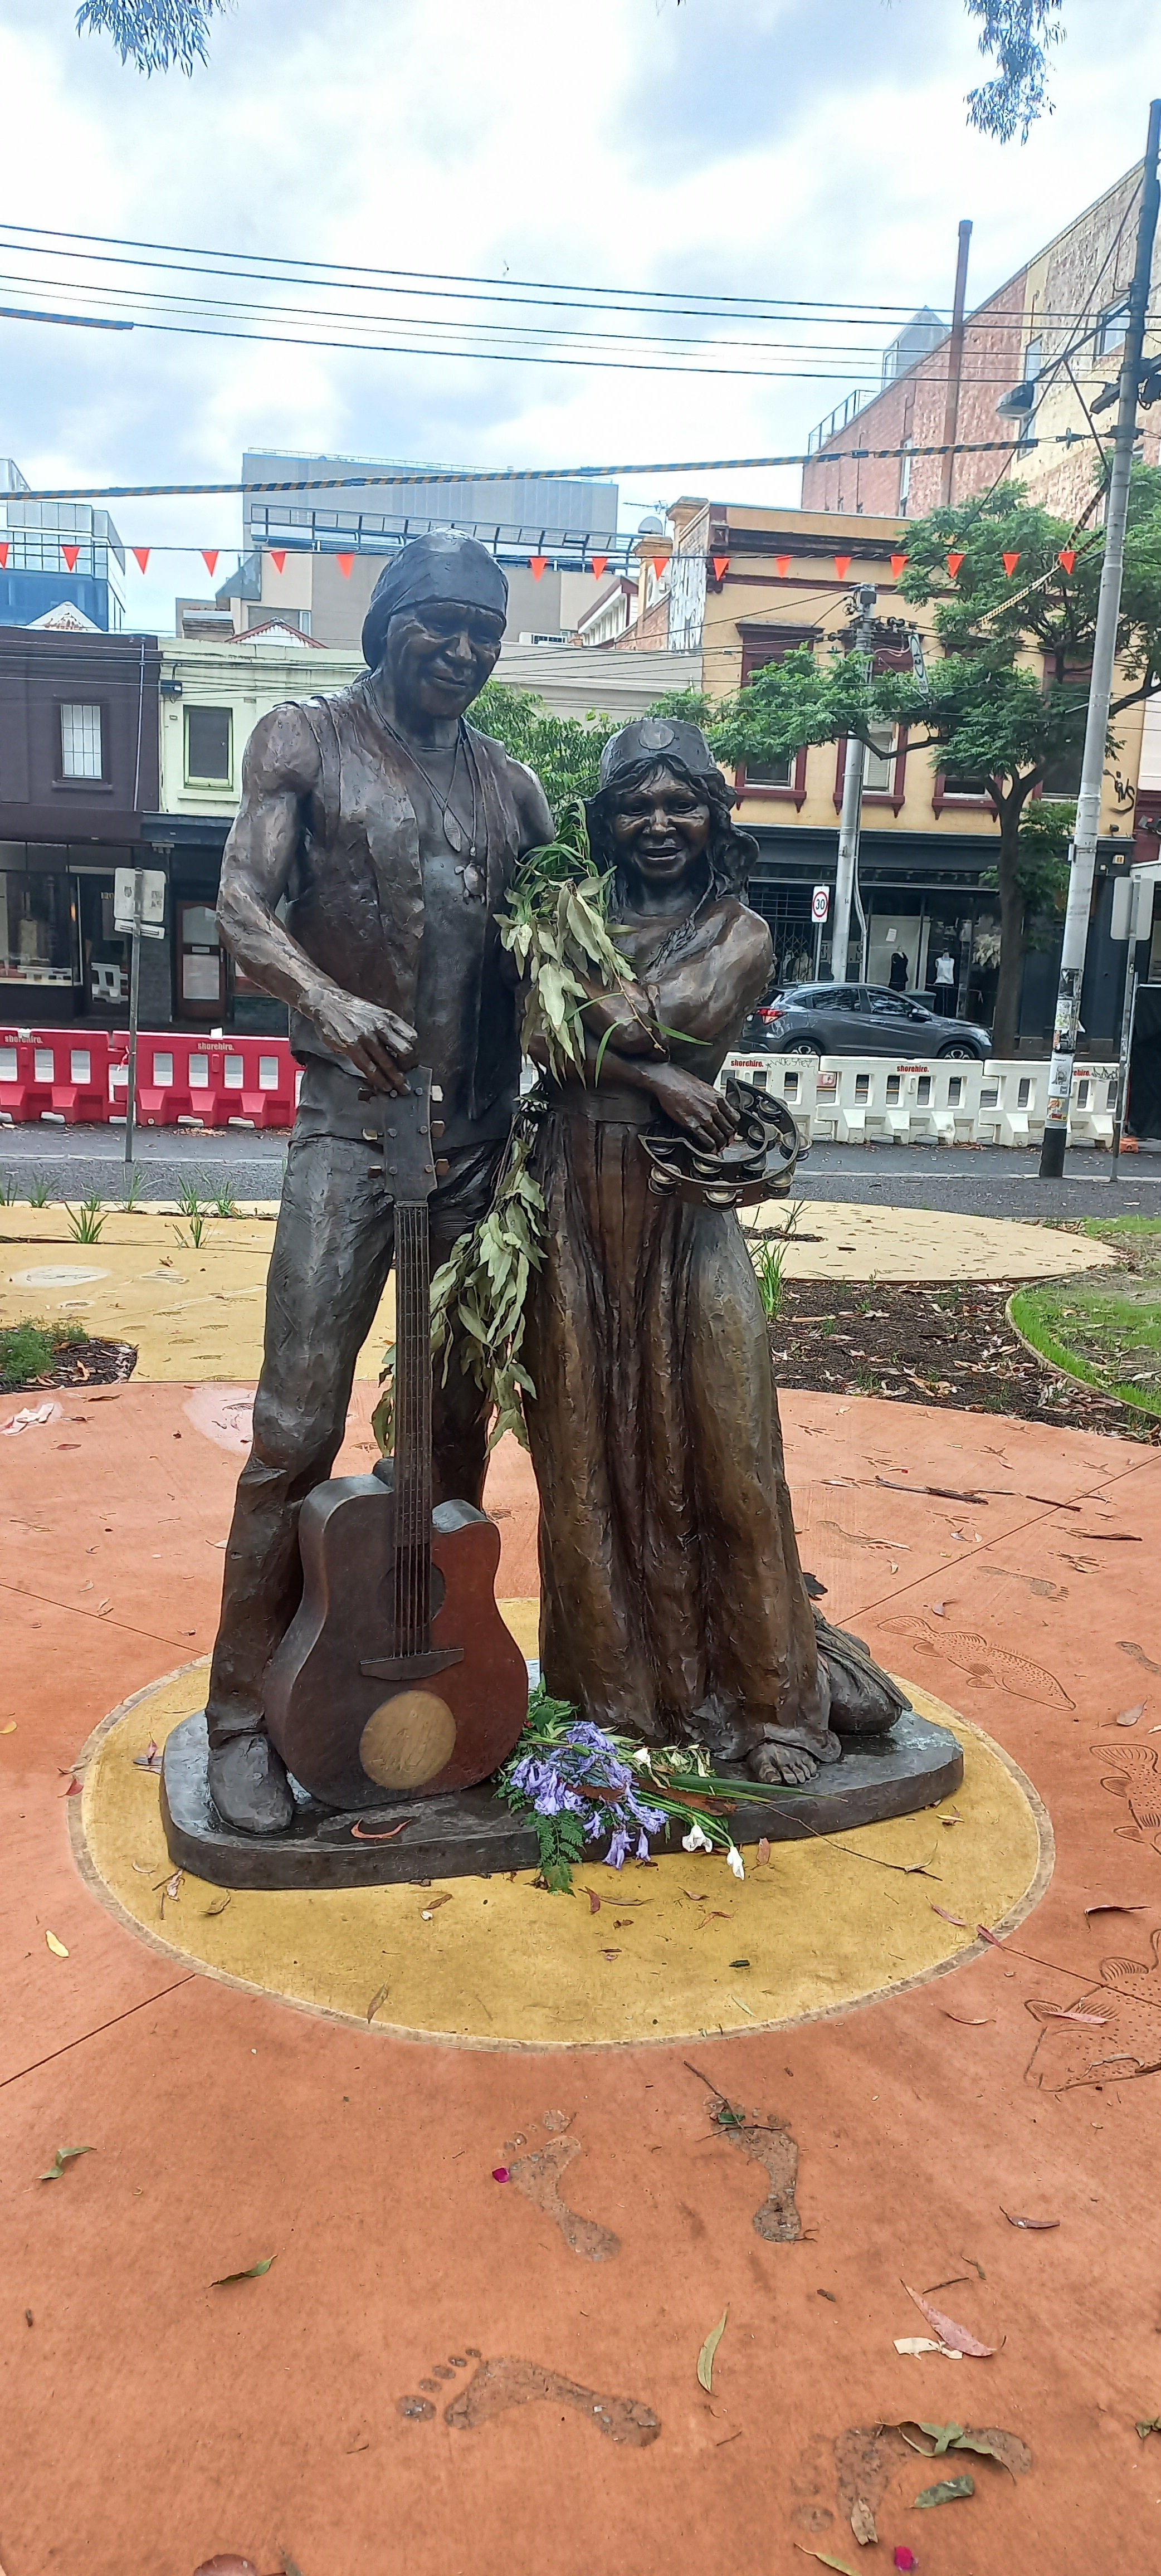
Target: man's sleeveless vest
pixel 355 900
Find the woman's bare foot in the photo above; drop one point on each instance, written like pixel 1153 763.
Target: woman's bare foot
pixel 787 1766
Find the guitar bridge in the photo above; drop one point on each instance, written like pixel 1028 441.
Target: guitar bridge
pixel 411 1668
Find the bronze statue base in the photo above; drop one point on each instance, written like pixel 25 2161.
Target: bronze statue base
pixel 471 1833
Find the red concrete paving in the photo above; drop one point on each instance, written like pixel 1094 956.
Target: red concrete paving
pixel 153 2421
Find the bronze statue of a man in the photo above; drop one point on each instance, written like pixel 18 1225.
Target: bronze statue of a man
pixel 360 884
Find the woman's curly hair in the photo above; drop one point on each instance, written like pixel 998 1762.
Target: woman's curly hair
pixel 731 853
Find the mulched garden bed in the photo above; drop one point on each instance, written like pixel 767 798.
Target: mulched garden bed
pixel 931 1344
pixel 94 1363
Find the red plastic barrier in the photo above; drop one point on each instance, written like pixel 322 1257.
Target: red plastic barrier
pixel 206 1082
pixel 56 1074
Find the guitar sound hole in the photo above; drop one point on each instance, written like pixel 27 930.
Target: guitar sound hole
pixel 407 1740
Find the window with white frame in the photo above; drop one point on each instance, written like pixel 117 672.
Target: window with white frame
pixel 81 750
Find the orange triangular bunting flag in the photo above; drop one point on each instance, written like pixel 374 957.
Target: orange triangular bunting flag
pixel 346 564
pixel 1009 563
pixel 1067 557
pixel 599 565
pixel 721 567
pixel 953 564
pixel 539 565
pixel 781 566
pixel 210 559
pixel 842 565
pixel 141 555
pixel 70 554
pixel 278 558
pixel 897 563
pixel 660 565
pixel 3 554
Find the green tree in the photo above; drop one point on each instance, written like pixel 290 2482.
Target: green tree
pixel 564 752
pixel 981 708
pixel 1017 34
pixel 154 34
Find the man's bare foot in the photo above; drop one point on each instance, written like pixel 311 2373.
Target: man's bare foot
pixel 786 1765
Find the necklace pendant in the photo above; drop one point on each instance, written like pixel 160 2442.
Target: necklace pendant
pixel 471 877
pixel 451 832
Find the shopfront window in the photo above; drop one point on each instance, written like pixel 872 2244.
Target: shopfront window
pixel 37 933
pixel 208 746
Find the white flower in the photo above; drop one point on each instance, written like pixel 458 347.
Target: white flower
pixel 696 1839
pixel 735 1860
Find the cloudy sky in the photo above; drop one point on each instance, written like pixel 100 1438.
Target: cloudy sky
pixel 788 148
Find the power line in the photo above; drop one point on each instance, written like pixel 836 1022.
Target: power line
pixel 420 476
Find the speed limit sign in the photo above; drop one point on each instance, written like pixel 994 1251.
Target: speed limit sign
pixel 820 904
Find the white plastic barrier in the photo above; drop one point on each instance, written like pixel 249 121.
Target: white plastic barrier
pixel 941 1100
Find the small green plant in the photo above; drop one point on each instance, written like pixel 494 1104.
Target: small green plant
pixel 38 1191
pixel 195 1235
pixel 768 1254
pixel 188 1199
pixel 7 1189
pixel 85 1222
pixel 28 1351
pixel 224 1202
pixel 132 1199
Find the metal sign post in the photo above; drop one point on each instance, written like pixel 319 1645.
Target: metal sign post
pixel 139 910
pixel 1131 921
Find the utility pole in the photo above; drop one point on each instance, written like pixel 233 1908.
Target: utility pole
pixel 846 873
pixel 1082 855
pixel 134 1010
pixel 954 365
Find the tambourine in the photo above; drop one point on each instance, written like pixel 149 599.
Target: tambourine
pixel 758 1163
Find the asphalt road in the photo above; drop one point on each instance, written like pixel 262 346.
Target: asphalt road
pixel 979 1181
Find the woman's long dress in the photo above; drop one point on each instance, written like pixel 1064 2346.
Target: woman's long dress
pixel 673 1605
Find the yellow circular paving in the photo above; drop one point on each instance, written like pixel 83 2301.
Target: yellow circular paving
pixel 671 1951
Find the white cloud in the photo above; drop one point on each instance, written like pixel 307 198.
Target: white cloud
pixel 786 147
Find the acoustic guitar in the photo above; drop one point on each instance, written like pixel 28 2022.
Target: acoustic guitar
pixel 397 1674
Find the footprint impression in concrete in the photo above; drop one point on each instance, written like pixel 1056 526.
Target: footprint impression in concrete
pixel 538 2176
pixel 770 2143
pixel 496 2385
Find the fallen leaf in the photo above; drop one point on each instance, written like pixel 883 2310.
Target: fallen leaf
pixel 979 2021
pixel 763 1853
pixel 1110 1905
pixel 594 1900
pixel 1149 2424
pixel 696 1895
pixel 705 2358
pixel 74 1789
pixel 254 2272
pixel 916 2344
pixel 219 1905
pixel 824 2559
pixel 10 1729
pixel 1041 2225
pixel 957 2337
pixel 150 1760
pixel 863 2524
pixel 379 1998
pixel 610 1954
pixel 444 1898
pixel 228 2564
pixel 57 1947
pixel 63 2156
pixel 992 1939
pixel 1007 2448
pixel 947 2491
pixel 957 1919
pixel 1129 1716
pixel 172 1889
pixel 361 1834
pixel 939 1608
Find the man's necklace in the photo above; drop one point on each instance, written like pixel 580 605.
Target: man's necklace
pixel 453 829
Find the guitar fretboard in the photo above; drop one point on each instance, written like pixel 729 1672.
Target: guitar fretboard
pixel 412 1432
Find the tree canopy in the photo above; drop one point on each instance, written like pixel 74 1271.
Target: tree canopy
pixel 1004 701
pixel 154 34
pixel 564 752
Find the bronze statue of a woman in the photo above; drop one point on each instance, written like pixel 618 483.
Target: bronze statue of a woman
pixel 673 1603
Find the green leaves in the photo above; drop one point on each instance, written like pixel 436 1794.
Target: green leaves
pixel 947 2491
pixel 705 2358
pixel 64 2156
pixel 254 2272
